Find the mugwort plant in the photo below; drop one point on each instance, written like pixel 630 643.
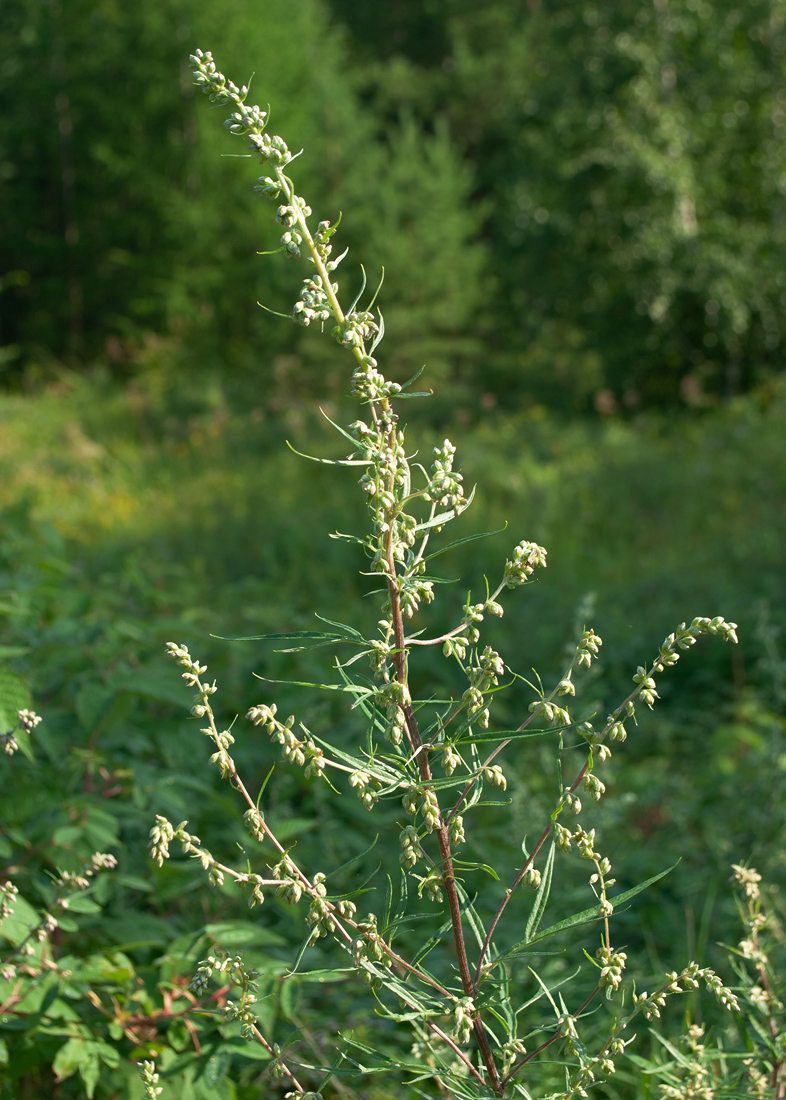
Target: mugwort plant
pixel 484 1022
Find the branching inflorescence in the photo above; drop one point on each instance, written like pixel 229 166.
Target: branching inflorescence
pixel 433 757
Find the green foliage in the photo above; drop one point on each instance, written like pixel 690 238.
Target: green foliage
pixel 405 735
pixel 168 499
pixel 128 223
pixel 177 529
pixel 630 158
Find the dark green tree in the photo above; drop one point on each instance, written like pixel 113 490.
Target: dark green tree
pixel 118 236
pixel 631 158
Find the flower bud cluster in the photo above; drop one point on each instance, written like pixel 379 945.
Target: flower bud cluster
pixel 193 668
pixel 355 329
pixel 685 636
pixel 295 750
pixel 267 187
pixel 494 775
pixel 366 786
pixel 9 743
pixel 445 485
pixel 69 884
pixel 617 731
pixel 320 911
pixel 531 878
pixel 463 1018
pixel 569 799
pixel 80 880
pixel 601 751
pixel 369 953
pixel 270 149
pixel 469 633
pixel 368 384
pixel 245 120
pixel 556 715
pixel 690 976
pixel 216 86
pixel 612 966
pixel 256 882
pixel 483 675
pixel 698 1077
pixel 313 304
pixel 27 720
pixel 417 798
pixel 594 787
pixel 749 878
pixel 379 657
pixel 8 893
pixel 566 1027
pixel 431 885
pixel 323 246
pixel 647 692
pixel 527 557
pixel 450 759
pixel 161 836
pixel 512 1051
pixel 414 592
pixel 253 821
pixel 411 851
pixel 290 888
pixel 585 842
pixel 150 1080
pixel 395 723
pixel 587 648
pixel 456 830
pixel 221 759
pixel 244 978
pixel 392 698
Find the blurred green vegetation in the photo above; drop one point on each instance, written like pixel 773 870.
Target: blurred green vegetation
pixel 126 526
pixel 580 215
pixel 574 205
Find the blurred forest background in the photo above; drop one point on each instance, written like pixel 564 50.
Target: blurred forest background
pixel 581 213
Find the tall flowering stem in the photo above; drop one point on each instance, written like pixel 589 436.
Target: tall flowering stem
pixel 424 753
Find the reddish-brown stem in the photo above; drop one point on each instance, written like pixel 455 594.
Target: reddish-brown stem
pixel 548 1042
pixel 443 837
pixel 509 893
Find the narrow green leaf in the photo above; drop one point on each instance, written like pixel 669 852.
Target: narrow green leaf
pixel 288 636
pixel 349 631
pixel 442 518
pixel 469 865
pixel 349 438
pixel 468 907
pixel 542 896
pixel 331 461
pixel 586 916
pixel 351 689
pixel 467 538
pixel 347 538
